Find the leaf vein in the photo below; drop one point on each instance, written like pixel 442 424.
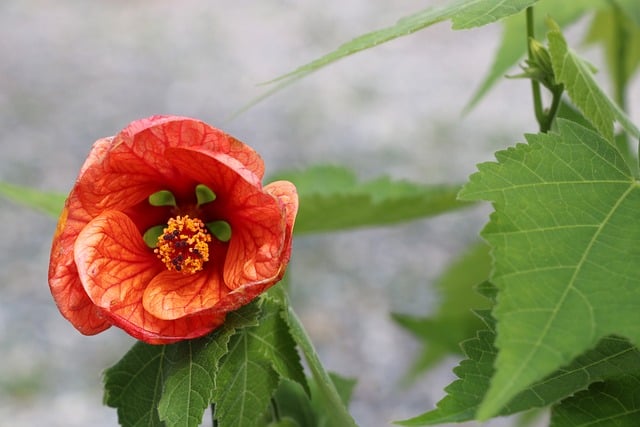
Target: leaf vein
pixel 539 343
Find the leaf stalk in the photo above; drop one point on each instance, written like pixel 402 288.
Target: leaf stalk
pixel 326 389
pixel 535 85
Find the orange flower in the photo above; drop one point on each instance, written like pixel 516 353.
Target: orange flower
pixel 167 229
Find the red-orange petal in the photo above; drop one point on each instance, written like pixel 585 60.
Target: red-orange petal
pixel 123 178
pixel 102 273
pixel 261 253
pixel 137 164
pixel 287 194
pixel 184 132
pixel 97 154
pixel 171 295
pixel 115 267
pixel 255 251
pixel 221 171
pixel 257 218
pixel 114 264
pixel 64 283
pixel 157 331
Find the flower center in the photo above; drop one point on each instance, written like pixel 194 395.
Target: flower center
pixel 184 245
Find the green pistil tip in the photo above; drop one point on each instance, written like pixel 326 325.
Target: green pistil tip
pixel 204 194
pixel 220 229
pixel 150 236
pixel 162 198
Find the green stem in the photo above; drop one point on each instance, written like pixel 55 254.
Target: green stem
pixel 213 415
pixel 545 124
pixel 621 41
pixel 275 412
pixel 621 80
pixel 535 85
pixel 335 409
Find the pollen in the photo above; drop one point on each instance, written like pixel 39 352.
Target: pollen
pixel 183 245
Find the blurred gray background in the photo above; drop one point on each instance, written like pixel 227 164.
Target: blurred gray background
pixel 73 71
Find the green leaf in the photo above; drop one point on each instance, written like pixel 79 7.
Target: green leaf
pixel 134 385
pixel 294 402
pixel 296 405
pixel 464 394
pixel 611 403
pixel 245 384
pixel 631 8
pixel 513 44
pixel 570 113
pixel 327 397
pixel 454 320
pixel 190 378
pixel 170 382
pixel 487 290
pixel 475 13
pixel 323 415
pixel 620 37
pixel 611 358
pixel 566 244
pixel 577 76
pixel 274 342
pixel 464 14
pixel 188 387
pixel 49 203
pixel 332 199
pixel 250 372
pixel 284 422
pixel 344 386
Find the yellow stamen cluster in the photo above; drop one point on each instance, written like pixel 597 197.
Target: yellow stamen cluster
pixel 184 245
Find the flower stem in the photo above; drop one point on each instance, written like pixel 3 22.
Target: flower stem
pixel 327 393
pixel 621 80
pixel 621 46
pixel 547 120
pixel 535 85
pixel 213 415
pixel 275 412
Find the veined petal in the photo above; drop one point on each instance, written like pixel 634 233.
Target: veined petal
pixel 243 295
pixel 136 164
pixel 114 264
pixel 115 267
pixel 66 287
pixel 171 295
pixel 260 252
pixel 219 171
pixel 158 331
pixel 287 194
pixel 123 178
pixel 101 271
pixel 255 249
pixel 97 153
pixel 183 132
pixel 258 219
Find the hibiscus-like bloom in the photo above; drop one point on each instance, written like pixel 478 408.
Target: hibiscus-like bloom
pixel 168 228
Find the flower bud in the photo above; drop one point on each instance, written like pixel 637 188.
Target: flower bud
pixel 540 58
